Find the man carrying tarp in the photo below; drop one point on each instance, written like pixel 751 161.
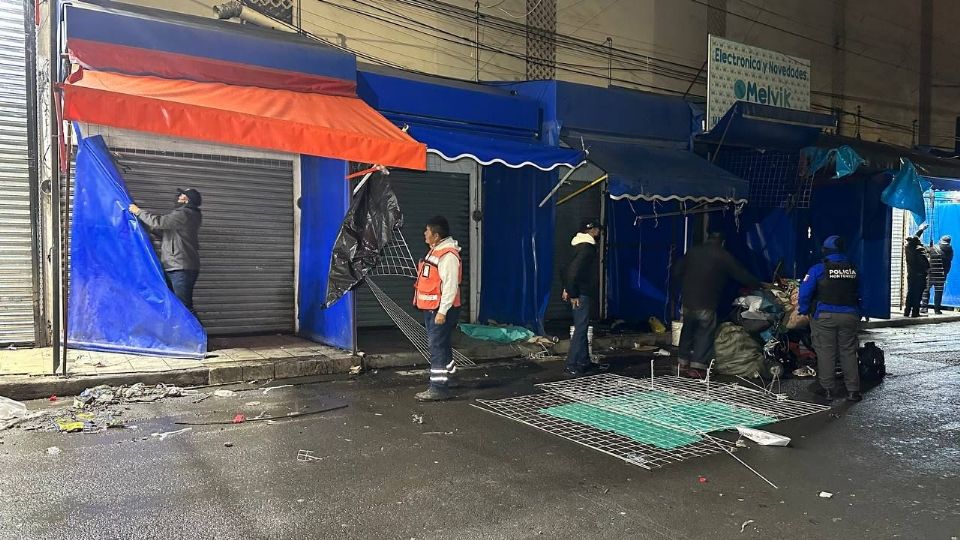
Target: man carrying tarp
pixel 437 294
pixel 179 244
pixel 702 275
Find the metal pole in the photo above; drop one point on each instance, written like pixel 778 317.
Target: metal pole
pixel 581 190
pixel 66 250
pixel 54 140
pixel 557 187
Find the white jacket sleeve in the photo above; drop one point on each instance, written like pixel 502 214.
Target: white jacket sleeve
pixel 449 281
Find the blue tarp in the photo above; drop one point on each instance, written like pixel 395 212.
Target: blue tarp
pixel 452 145
pixel 945 219
pixel 766 126
pixel 906 191
pixel 324 199
pixel 517 246
pixel 846 160
pixel 644 171
pixel 119 300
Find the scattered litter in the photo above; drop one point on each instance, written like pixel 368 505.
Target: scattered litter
pixel 239 419
pixel 377 414
pixel 702 479
pixel 228 444
pixel 10 409
pixel 304 456
pixel 826 495
pixel 251 404
pixel 763 438
pixel 745 523
pixel 69 425
pixel 262 417
pixel 645 348
pixel 53 451
pixel 741 443
pixel 805 371
pixel 163 435
pixel 355 370
pixel 225 393
pixel 417 418
pixel 437 433
pixel 267 390
pixel 662 352
pixel 52 398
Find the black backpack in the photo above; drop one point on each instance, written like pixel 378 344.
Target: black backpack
pixel 872 364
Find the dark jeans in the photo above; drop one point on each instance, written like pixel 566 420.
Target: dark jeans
pixel 181 282
pixel 441 350
pixel 578 357
pixel 697 336
pixel 835 336
pixel 915 287
pixel 937 286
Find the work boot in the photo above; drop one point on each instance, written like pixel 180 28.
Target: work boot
pixel 854 396
pixel 433 394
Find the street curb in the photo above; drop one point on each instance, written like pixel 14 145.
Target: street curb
pixel 25 388
pixel 899 323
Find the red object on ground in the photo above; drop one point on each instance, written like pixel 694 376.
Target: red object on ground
pixel 239 419
pixel 53 397
pixel 703 479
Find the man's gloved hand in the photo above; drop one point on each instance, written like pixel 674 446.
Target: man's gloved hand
pixel 134 209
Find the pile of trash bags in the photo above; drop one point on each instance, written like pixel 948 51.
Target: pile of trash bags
pixel 765 336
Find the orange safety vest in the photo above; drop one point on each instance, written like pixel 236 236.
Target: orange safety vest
pixel 427 287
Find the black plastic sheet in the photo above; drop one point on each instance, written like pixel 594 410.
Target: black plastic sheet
pixel 370 224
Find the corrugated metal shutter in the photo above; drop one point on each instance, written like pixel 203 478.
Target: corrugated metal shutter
pixel 17 324
pixel 246 283
pixel 569 215
pixel 896 259
pixel 422 196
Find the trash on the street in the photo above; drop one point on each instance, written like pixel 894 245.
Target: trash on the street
pixel 825 495
pixel 417 418
pixel 745 523
pixel 228 444
pixel 239 419
pixel 251 404
pixel 763 438
pixel 656 326
pixel 164 434
pixel 268 390
pixel 225 393
pixel 741 443
pixel 355 370
pixel 69 425
pixel 702 479
pixel 53 450
pixel 306 456
pixel 10 409
pixel 805 371
pixel 662 352
pixel 52 398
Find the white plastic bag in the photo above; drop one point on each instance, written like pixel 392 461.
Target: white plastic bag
pixel 10 409
pixel 763 438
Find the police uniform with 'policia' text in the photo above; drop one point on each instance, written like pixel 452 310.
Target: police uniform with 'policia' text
pixel 830 293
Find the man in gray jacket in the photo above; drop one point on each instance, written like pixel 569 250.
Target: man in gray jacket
pixel 179 245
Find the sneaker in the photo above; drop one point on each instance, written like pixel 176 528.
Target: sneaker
pixel 433 394
pixel 937 312
pixel 854 397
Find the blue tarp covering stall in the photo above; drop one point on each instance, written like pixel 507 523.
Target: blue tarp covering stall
pixel 500 130
pixel 119 300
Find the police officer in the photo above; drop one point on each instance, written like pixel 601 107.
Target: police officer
pixel 438 295
pixel 831 293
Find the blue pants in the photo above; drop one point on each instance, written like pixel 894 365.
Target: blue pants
pixel 578 358
pixel 181 282
pixel 441 350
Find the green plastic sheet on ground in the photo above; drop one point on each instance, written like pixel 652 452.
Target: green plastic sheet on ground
pixel 499 334
pixel 652 414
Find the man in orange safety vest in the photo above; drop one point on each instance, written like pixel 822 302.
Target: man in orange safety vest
pixel 437 294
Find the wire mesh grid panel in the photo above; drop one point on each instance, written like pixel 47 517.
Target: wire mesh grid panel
pixel 776 179
pixel 395 259
pixel 636 442
pixel 414 331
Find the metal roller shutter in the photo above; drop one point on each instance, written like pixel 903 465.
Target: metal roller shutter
pixel 896 259
pixel 246 283
pixel 569 215
pixel 422 196
pixel 17 323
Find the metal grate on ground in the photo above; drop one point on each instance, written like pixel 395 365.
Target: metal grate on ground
pixel 647 422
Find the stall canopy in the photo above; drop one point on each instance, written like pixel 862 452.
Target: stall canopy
pixel 457 120
pixel 223 83
pixel 766 126
pixel 647 171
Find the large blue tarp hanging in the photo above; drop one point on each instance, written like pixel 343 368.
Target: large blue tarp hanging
pixel 906 191
pixel 118 299
pixel 765 126
pixel 517 246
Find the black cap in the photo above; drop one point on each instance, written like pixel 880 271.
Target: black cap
pixel 192 195
pixel 590 223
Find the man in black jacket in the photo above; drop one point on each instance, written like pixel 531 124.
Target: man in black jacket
pixel 702 275
pixel 918 268
pixel 941 260
pixel 580 279
pixel 179 244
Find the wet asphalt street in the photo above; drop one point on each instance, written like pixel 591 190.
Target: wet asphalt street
pixel 892 463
